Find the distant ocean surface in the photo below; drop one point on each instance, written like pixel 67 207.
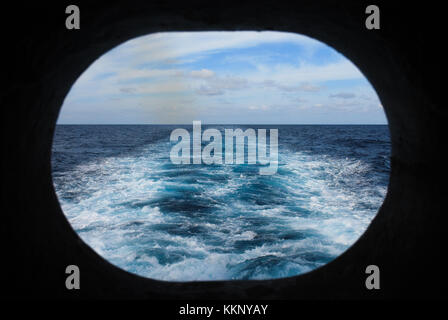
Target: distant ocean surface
pixel 124 197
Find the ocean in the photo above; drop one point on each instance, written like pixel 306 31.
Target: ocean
pixel 178 222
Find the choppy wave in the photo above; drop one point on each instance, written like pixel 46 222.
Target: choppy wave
pixel 126 200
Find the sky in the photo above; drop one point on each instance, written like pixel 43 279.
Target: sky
pixel 222 78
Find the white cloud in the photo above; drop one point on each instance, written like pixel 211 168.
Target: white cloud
pixel 209 91
pixel 262 107
pixel 304 86
pixel 309 87
pixel 124 64
pixel 175 46
pixel 343 95
pixel 147 72
pixel 286 74
pixel 204 73
pixel 218 85
pixel 134 74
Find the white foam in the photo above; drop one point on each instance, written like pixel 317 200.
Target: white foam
pixel 113 214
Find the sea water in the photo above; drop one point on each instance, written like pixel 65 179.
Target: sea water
pixel 133 206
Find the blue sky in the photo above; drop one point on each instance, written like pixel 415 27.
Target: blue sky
pixel 222 77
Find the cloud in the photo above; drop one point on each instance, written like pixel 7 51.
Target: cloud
pixel 204 73
pixel 230 83
pixel 218 85
pixel 304 86
pixel 172 77
pixel 285 74
pixel 343 95
pixel 133 62
pixel 262 107
pixel 159 46
pixel 209 91
pixel 133 74
pixel 309 87
pixel 127 90
pixel 158 88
